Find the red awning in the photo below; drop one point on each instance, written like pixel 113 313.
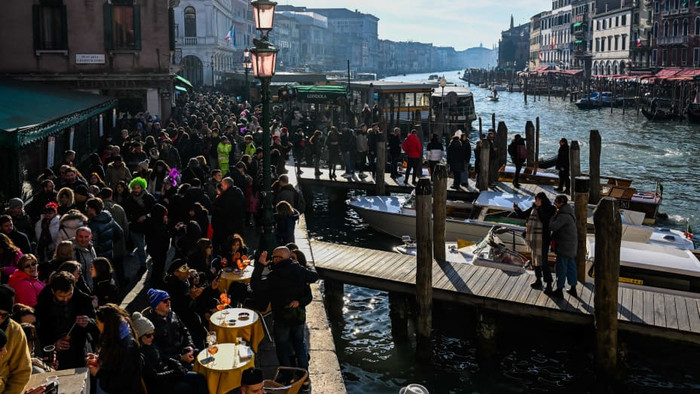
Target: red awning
pixel 667 72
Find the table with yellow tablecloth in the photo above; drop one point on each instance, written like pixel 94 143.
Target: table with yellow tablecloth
pixel 235 325
pixel 223 375
pixel 235 276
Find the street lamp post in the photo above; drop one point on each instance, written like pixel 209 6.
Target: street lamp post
pixel 212 71
pixel 264 59
pixel 443 83
pixel 247 66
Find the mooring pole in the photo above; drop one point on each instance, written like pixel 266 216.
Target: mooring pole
pixel 424 271
pixel 594 166
pixel 333 293
pixel 530 140
pixel 439 210
pixel 537 144
pixel 380 166
pixel 484 170
pixel 502 144
pixel 608 234
pixel 574 166
pixel 398 313
pixel 581 187
pixel 481 129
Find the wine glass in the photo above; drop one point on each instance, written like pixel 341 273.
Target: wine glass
pixel 224 313
pixel 212 349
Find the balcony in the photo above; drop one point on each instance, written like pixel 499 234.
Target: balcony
pixel 188 41
pixel 683 11
pixel 674 12
pixel 677 40
pixel 643 45
pixel 664 13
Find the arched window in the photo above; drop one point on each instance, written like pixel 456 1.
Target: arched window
pixel 666 29
pixel 696 31
pixel 675 27
pixel 190 22
pixel 609 69
pixel 655 33
pixel 685 26
pixel 595 68
pixel 615 68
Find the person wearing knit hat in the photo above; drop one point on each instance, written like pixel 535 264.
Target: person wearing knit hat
pixel 15 203
pixel 142 166
pixel 156 296
pixel 141 325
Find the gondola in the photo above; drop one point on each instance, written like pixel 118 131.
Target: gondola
pixel 659 115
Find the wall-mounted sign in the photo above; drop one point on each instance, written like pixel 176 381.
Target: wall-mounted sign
pixel 90 58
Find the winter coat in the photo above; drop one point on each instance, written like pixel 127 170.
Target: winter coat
pixel 105 232
pixel 54 226
pixel 54 320
pixel 455 157
pixel 563 158
pixel 333 145
pixel 27 288
pixel 69 224
pixel 362 143
pixel 412 147
pixel 171 335
pixel 347 141
pixel 564 233
pixel 289 194
pixel 515 150
pixel 134 210
pixel 84 256
pixel 160 374
pixel 394 145
pixel 16 366
pixel 435 150
pixel 284 227
pixel 116 173
pixel 223 151
pixel 124 376
pixel 286 282
pixel 106 291
pixel 118 215
pixel 228 213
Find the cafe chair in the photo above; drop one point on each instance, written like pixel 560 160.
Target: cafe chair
pixel 288 380
pixel 263 315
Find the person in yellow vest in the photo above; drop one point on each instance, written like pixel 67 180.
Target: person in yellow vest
pixel 223 149
pixel 249 145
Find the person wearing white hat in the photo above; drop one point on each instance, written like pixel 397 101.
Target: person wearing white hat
pixel 414 388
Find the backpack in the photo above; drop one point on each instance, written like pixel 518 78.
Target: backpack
pixel 521 151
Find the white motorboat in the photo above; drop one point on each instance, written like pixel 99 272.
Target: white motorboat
pixel 396 215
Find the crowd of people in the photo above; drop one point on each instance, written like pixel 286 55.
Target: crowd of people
pixel 176 200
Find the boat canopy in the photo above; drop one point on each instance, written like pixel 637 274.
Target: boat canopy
pixel 503 200
pixel 459 91
pixel 653 257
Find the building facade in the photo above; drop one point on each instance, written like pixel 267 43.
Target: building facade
pixel 514 47
pixel 211 36
pixel 675 34
pixel 117 48
pixel 582 12
pixel 612 28
pixel 535 39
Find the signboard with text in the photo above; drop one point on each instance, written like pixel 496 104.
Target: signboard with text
pixel 90 58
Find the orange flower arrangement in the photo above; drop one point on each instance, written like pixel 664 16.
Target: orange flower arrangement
pixel 224 301
pixel 241 262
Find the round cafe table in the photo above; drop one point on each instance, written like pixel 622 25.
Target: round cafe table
pixel 235 325
pixel 223 375
pixel 235 276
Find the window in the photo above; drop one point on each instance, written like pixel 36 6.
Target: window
pixel 617 21
pixel 617 38
pixel 122 24
pixel 655 29
pixel 597 25
pixel 664 53
pixel 666 29
pixel 597 44
pixel 675 27
pixel 190 22
pixel 653 56
pixel 604 24
pixel 624 20
pixel 50 30
pixel 602 45
pixel 685 27
pixel 684 57
pixel 696 56
pixel 624 42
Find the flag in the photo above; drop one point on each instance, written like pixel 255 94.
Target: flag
pixel 541 55
pixel 231 36
pixel 639 42
pixel 688 230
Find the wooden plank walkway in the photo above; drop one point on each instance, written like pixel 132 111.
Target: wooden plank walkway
pixel 640 311
pixel 307 178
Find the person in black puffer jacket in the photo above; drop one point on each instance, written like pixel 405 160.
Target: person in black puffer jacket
pixel 137 207
pixel 171 335
pixel 105 231
pixel 163 375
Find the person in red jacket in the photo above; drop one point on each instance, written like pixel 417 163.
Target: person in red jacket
pixel 414 151
pixel 26 281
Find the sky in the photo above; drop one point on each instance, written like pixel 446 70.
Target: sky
pixel 460 24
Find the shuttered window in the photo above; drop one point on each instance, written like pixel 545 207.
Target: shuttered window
pixel 122 25
pixel 50 26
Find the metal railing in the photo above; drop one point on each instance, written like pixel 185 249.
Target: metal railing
pixel 672 40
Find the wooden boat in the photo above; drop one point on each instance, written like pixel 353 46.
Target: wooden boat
pixel 620 188
pixel 660 109
pixel 587 103
pixel 694 112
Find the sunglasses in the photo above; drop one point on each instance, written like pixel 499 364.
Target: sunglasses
pixel 149 335
pixel 4 315
pixel 30 265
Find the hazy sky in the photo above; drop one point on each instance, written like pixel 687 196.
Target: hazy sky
pixel 457 23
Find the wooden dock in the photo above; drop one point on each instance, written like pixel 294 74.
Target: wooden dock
pixel 639 311
pixel 307 178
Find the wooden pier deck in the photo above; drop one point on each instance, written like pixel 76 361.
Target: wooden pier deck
pixel 639 311
pixel 307 178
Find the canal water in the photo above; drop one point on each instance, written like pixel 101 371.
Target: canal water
pixel 529 356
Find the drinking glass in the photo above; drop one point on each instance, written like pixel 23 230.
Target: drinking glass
pixel 49 354
pixel 224 313
pixel 212 349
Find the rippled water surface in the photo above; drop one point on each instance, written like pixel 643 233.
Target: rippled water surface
pixel 528 356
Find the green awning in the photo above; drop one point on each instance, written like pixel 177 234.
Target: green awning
pixel 577 24
pixel 578 42
pixel 180 88
pixel 183 81
pixel 320 93
pixel 32 111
